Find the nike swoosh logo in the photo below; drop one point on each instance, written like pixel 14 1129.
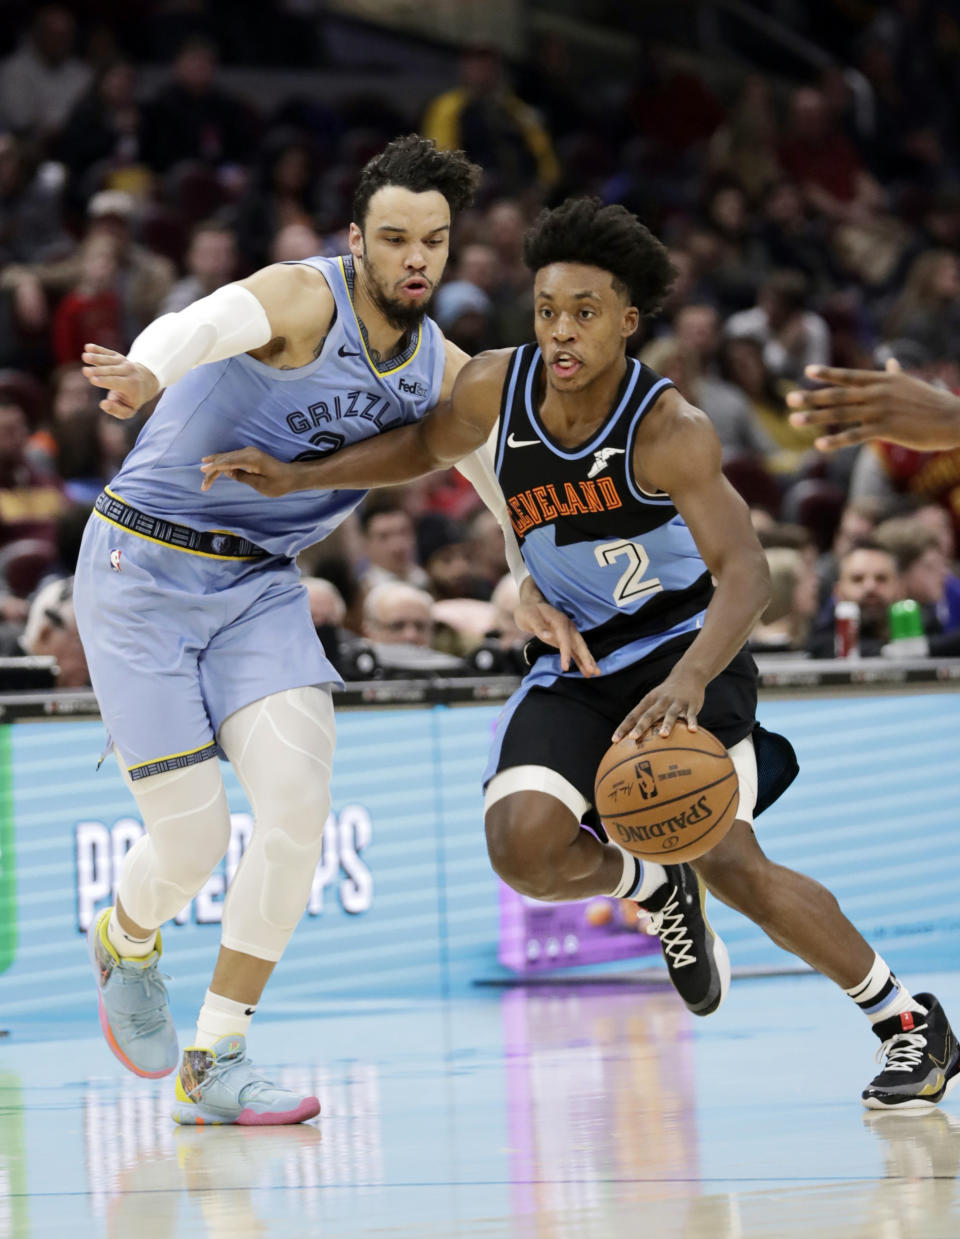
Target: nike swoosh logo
pixel 514 442
pixel 342 352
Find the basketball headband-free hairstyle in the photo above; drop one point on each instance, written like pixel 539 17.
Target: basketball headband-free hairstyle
pixel 610 237
pixel 417 164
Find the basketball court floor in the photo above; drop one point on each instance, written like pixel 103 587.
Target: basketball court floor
pixel 547 1112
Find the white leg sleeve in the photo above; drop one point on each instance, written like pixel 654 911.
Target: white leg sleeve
pixel 188 828
pixel 282 750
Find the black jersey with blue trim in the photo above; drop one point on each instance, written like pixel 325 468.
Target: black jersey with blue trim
pixel 618 560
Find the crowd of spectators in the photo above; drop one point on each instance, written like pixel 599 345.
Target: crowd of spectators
pixel 809 219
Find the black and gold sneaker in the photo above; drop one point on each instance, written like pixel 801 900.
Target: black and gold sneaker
pixel 922 1059
pixel 696 957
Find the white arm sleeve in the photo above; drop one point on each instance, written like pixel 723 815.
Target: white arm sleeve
pixel 479 470
pixel 229 321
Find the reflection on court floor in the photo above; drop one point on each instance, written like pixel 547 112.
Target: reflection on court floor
pixel 552 1112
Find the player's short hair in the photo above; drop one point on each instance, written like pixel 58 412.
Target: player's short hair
pixel 610 237
pixel 419 165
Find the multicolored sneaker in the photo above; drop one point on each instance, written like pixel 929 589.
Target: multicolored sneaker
pixel 696 957
pixel 922 1060
pixel 222 1086
pixel 134 1012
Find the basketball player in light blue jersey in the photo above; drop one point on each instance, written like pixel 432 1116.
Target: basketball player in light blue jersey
pixel 196 629
pixel 629 529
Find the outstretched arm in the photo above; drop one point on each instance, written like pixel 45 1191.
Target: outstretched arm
pixel 284 303
pixel 877 404
pixel 451 431
pixel 680 454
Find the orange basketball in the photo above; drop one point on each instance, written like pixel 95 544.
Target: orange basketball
pixel 667 798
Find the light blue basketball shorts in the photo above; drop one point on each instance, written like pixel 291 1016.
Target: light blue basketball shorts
pixel 177 641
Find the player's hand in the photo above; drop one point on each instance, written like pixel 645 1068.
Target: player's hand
pixel 876 404
pixel 263 472
pixel 679 696
pixel 129 385
pixel 556 629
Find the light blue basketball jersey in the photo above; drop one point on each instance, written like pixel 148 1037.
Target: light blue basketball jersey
pixel 340 398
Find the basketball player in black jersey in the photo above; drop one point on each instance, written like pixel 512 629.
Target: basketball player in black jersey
pixel 646 577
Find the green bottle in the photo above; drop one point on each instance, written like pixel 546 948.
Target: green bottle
pixel 906 628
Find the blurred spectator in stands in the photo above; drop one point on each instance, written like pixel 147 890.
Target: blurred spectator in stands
pixel 145 278
pixel 786 622
pixel 744 149
pixel 193 117
pixel 867 576
pixel 103 135
pixel 90 447
pixel 296 242
pixel 790 239
pixel 792 336
pixel 505 226
pixel 488 557
pixel 284 191
pixel 443 549
pixel 397 613
pixel 696 328
pixel 671 105
pixel 924 568
pixel 902 139
pixel 936 518
pixel 464 314
pixel 30 500
pixel 211 262
pixel 91 310
pixel 742 364
pixel 928 309
pixel 725 405
pixel 824 162
pixel 51 630
pixel 43 79
pixel 553 84
pixel 857 522
pixel 390 541
pixel 327 607
pixel 477 264
pixel 31 229
pixel 738 267
pixel 485 118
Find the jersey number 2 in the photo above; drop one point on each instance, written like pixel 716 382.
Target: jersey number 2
pixel 631 584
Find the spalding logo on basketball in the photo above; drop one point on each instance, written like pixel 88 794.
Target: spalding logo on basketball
pixel 668 798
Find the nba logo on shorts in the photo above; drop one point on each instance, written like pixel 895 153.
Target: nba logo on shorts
pixel 115 559
pixel 218 542
pixel 646 783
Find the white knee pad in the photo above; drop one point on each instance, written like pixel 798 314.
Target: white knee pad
pixel 282 750
pixel 188 828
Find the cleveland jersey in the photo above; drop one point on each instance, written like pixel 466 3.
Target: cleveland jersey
pixel 618 560
pixel 340 398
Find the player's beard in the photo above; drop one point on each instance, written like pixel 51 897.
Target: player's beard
pixel 399 314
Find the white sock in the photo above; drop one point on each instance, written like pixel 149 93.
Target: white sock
pixel 221 1017
pixel 880 995
pixel 640 878
pixel 124 945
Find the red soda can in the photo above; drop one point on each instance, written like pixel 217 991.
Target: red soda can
pixel 846 630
